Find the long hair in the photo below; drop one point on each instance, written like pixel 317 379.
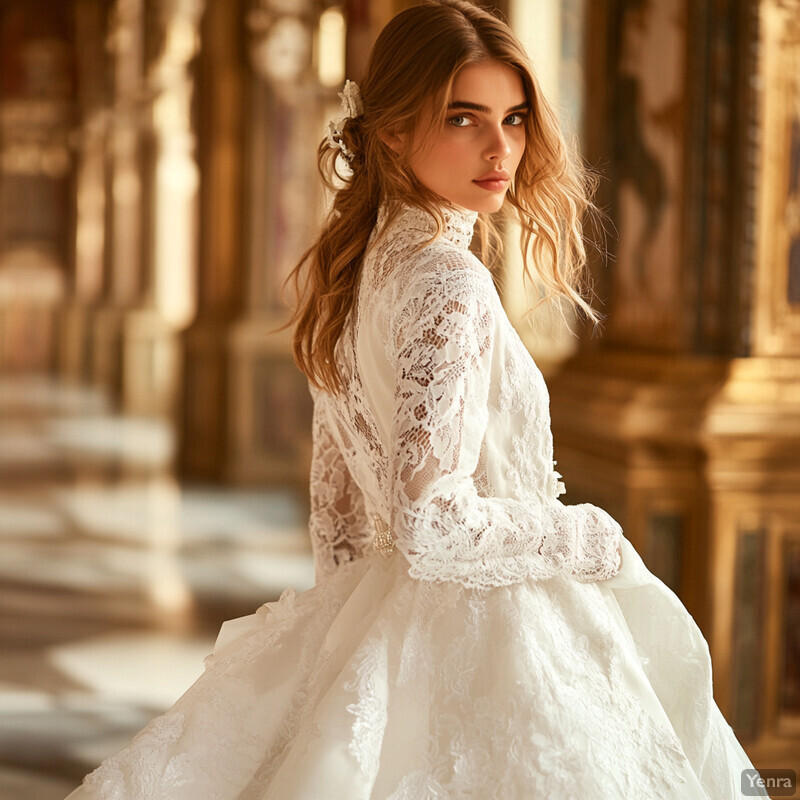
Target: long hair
pixel 412 67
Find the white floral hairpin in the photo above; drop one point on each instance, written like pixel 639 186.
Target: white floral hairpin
pixel 352 106
pixel 558 486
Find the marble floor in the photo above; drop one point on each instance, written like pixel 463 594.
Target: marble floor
pixel 114 578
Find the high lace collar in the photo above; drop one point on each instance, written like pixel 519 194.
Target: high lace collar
pixel 459 223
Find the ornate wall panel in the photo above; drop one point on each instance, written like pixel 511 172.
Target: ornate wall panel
pixel 269 433
pixel 645 117
pixel 720 170
pixel 754 638
pixel 777 317
pixel 789 676
pixel 748 625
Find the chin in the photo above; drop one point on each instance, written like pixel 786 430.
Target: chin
pixel 488 205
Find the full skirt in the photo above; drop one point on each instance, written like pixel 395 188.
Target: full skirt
pixel 375 686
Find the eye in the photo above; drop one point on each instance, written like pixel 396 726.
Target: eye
pixel 459 122
pixel 514 119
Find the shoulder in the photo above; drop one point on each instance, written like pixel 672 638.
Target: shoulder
pixel 446 299
pixel 442 271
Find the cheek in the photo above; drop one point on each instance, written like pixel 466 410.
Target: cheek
pixel 441 161
pixel 518 149
pixel 445 149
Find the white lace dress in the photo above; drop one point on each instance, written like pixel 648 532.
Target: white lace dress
pixel 469 636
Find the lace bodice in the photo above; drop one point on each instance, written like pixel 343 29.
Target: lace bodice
pixel 443 430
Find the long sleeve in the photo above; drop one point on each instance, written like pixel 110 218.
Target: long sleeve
pixel 337 523
pixel 442 339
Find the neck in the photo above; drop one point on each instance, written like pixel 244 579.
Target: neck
pixel 457 223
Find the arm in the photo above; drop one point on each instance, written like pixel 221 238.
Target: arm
pixel 442 340
pixel 337 523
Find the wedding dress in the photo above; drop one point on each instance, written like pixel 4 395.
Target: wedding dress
pixel 469 636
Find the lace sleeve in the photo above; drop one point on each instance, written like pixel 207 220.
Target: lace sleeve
pixel 442 338
pixel 338 523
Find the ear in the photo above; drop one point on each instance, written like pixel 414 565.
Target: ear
pixel 393 140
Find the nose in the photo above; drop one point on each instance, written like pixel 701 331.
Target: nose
pixel 497 147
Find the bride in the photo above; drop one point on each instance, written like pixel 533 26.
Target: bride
pixel 469 636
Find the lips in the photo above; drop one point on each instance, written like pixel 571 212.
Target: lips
pixel 493 181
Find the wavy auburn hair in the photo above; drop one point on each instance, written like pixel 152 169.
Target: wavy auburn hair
pixel 411 69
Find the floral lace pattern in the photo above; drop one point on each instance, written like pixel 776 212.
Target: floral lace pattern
pixel 508 724
pixel 338 521
pixel 454 362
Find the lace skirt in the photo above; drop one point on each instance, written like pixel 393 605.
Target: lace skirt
pixel 372 685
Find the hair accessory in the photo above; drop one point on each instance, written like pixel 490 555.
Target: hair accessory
pixel 352 106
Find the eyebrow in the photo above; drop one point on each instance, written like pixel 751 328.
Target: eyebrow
pixel 459 105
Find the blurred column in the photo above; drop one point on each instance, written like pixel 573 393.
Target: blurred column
pixel 151 379
pixel 89 239
pixel 222 111
pixel 247 407
pixel 136 194
pixel 36 108
pixel 122 205
pixel 684 420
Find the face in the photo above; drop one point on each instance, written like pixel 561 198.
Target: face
pixel 472 159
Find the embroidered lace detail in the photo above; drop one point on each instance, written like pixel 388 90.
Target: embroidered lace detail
pixel 338 525
pixel 444 334
pixel 533 738
pixel 458 229
pixel 211 743
pixel 370 686
pixel 438 315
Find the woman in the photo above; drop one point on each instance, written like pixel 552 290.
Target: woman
pixel 469 636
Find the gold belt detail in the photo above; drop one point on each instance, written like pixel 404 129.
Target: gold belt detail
pixel 383 541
